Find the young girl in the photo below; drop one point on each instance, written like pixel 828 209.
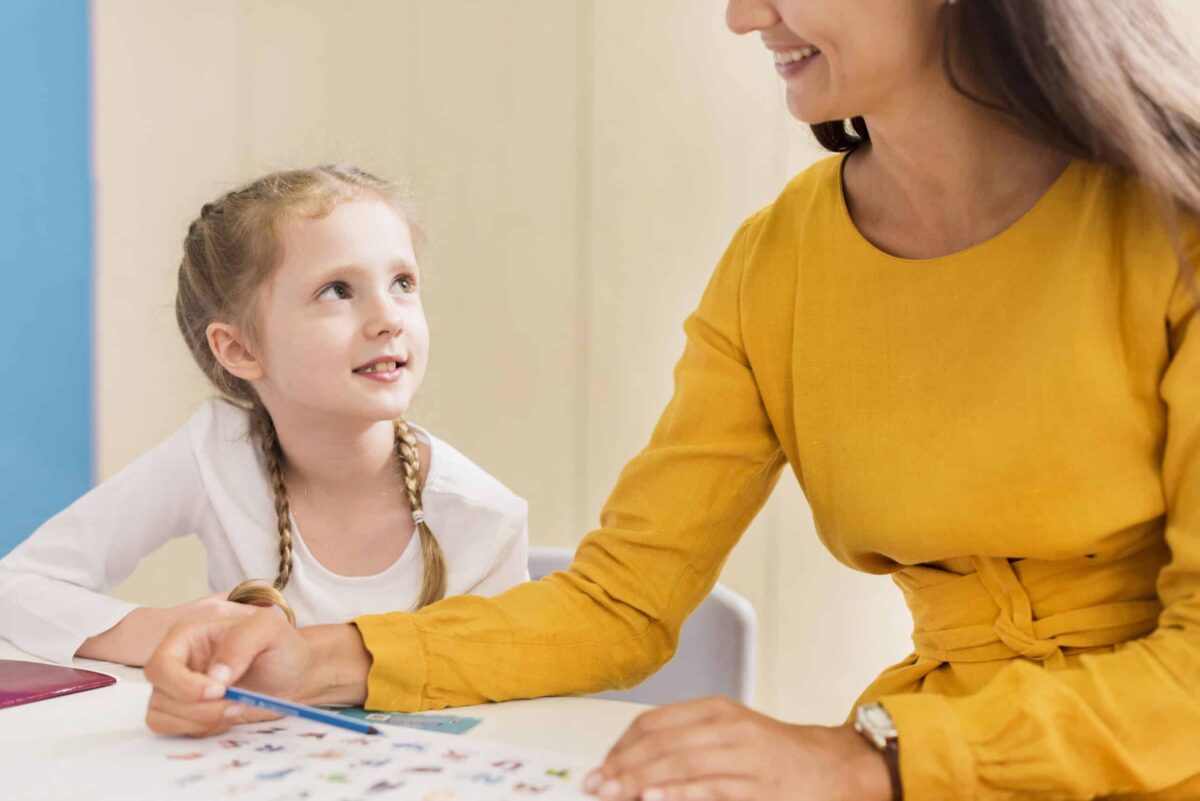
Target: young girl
pixel 299 298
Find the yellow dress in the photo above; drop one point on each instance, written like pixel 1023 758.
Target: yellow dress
pixel 1012 432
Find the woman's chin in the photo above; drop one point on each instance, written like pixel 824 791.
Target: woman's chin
pixel 804 110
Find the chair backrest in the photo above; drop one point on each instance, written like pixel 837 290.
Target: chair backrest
pixel 716 646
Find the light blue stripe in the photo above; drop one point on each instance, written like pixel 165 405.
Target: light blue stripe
pixel 45 262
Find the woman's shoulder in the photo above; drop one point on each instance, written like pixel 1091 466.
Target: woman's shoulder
pixel 456 478
pixel 807 198
pixel 1124 209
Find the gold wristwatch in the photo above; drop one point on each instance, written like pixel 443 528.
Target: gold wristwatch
pixel 874 723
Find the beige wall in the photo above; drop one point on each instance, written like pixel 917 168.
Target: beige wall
pixel 581 166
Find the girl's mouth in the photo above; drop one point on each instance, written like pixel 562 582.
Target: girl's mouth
pixel 381 371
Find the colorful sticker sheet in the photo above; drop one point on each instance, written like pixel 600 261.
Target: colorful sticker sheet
pixel 296 760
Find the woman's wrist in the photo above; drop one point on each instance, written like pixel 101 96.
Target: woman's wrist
pixel 339 664
pixel 868 767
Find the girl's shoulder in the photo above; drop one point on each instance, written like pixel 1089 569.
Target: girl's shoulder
pixel 456 478
pixel 227 455
pixel 219 425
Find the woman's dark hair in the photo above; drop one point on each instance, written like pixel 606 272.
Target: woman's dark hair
pixel 1104 80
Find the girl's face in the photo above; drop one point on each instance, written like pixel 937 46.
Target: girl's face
pixel 341 325
pixel 845 58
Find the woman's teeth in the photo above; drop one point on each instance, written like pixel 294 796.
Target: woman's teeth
pixel 795 55
pixel 380 367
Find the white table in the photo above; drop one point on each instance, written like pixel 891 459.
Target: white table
pixel 33 736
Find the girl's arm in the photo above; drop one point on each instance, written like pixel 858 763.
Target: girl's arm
pixel 53 585
pixel 134 638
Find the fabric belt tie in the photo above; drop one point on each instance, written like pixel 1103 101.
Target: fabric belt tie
pixel 988 614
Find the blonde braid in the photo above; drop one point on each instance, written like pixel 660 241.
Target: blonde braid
pixel 433 586
pixel 258 592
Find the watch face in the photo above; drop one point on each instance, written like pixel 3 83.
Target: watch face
pixel 877 719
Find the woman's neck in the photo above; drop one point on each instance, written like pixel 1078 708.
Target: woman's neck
pixel 947 170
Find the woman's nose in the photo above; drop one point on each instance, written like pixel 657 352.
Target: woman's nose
pixel 747 16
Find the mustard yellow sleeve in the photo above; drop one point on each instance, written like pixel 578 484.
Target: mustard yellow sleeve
pixel 666 529
pixel 1124 722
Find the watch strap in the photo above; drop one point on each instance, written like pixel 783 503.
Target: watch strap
pixel 891 757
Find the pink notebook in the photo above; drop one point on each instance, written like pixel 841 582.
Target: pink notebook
pixel 26 682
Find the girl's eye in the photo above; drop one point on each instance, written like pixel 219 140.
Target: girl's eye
pixel 338 291
pixel 406 284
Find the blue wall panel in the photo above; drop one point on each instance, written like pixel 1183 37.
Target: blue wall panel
pixel 45 262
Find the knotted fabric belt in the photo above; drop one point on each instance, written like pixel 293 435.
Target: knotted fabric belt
pixel 988 614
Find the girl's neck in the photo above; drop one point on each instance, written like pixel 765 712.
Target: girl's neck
pixel 329 455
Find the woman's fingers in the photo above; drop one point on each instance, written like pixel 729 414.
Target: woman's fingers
pixel 722 789
pixel 177 667
pixel 679 766
pixel 685 713
pixel 693 749
pixel 197 661
pixel 167 715
pixel 241 644
pixel 663 742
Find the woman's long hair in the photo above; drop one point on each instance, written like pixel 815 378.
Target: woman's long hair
pixel 1104 80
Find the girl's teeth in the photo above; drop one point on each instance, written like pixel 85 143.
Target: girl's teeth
pixel 795 55
pixel 382 367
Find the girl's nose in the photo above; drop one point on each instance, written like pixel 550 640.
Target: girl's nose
pixel 386 320
pixel 747 16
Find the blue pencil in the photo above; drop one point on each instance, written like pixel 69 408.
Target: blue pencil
pixel 299 710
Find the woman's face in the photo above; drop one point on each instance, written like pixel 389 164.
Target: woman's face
pixel 846 58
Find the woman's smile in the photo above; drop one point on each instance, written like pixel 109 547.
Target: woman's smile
pixel 789 63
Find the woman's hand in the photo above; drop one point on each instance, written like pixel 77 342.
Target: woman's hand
pixel 134 638
pixel 717 749
pixel 197 661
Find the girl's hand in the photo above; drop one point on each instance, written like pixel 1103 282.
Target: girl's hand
pixel 134 638
pixel 717 749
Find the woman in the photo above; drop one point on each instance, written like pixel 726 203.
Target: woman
pixel 969 337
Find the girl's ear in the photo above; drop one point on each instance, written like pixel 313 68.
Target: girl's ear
pixel 228 345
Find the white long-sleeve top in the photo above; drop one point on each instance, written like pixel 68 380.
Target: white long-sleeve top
pixel 209 478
